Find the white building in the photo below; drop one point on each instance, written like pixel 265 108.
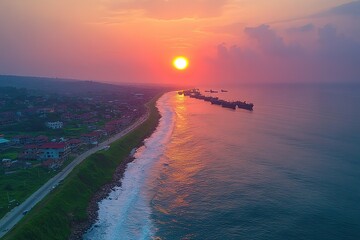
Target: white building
pixel 55 125
pixel 53 151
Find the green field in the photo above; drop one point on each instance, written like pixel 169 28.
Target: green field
pixel 11 153
pixel 20 184
pixel 66 205
pixel 17 186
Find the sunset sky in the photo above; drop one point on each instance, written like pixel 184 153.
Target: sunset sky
pixel 226 41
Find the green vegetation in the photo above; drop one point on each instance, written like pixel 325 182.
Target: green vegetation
pixel 70 130
pixel 10 153
pixel 73 131
pixel 32 124
pixel 18 186
pixel 66 205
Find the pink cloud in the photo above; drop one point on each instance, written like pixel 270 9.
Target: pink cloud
pixel 173 9
pixel 335 58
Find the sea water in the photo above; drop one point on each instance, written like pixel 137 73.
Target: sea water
pixel 290 169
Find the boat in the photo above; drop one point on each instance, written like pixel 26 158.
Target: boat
pixel 244 105
pixel 216 101
pixel 195 93
pixel 231 105
pixel 209 99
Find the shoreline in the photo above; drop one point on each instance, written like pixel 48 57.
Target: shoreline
pixel 79 229
pixel 47 187
pixel 71 209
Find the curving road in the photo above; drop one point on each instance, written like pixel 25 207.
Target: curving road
pixel 16 214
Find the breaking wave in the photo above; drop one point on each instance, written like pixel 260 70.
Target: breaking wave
pixel 125 213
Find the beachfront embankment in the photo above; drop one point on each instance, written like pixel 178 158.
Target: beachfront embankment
pixel 56 216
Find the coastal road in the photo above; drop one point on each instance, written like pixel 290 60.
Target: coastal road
pixel 17 213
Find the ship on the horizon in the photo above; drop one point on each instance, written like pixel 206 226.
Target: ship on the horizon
pixel 244 105
pixel 231 105
pixel 211 91
pixel 195 93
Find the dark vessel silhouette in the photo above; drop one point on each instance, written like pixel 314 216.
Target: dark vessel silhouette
pixel 244 105
pixel 231 105
pixel 195 93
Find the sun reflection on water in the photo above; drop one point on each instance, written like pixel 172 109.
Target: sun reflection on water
pixel 176 183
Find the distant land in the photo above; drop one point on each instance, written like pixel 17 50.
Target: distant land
pixel 65 86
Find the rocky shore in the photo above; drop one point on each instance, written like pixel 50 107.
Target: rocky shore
pixel 80 228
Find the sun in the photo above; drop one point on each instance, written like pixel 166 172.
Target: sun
pixel 180 63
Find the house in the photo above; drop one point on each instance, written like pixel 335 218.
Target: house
pixel 54 125
pixel 115 123
pixel 30 152
pixel 74 143
pixel 88 138
pixel 4 142
pixel 22 140
pixel 91 138
pixel 53 151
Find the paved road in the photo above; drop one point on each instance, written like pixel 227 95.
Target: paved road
pixel 16 214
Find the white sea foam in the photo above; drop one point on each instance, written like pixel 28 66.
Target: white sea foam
pixel 125 214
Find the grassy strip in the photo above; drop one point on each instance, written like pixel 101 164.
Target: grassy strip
pixel 52 218
pixel 17 187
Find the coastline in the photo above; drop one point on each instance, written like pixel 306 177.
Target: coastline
pixel 79 229
pixel 77 218
pixel 11 219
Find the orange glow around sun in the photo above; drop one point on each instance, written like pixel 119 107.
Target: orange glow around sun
pixel 180 63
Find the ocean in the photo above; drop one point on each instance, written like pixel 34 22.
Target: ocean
pixel 289 169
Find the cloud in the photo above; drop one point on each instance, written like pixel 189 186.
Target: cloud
pixel 270 42
pixel 233 64
pixel 236 54
pixel 302 29
pixel 338 55
pixel 349 9
pixel 236 28
pixel 337 46
pixel 173 9
pixel 334 59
